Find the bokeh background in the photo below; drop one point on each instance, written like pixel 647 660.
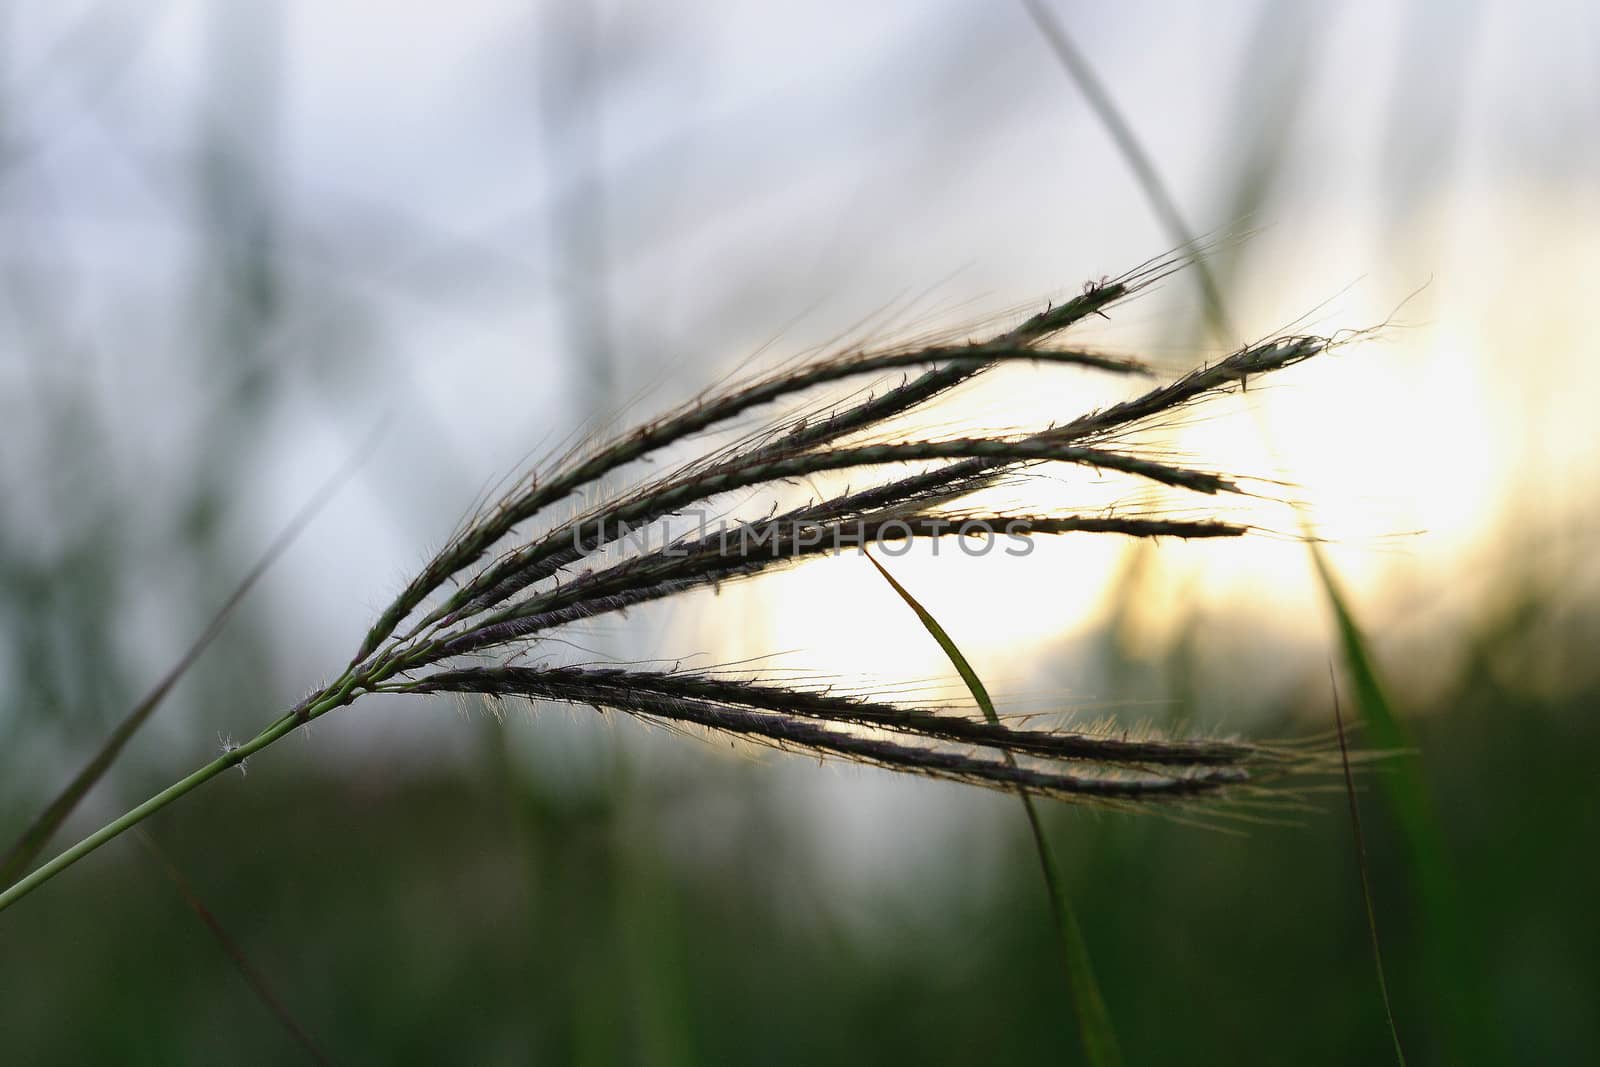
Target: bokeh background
pixel 235 238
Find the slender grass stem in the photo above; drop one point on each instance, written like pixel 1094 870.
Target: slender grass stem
pixel 133 817
pixel 1361 864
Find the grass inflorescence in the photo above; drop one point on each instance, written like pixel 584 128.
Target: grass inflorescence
pixel 481 613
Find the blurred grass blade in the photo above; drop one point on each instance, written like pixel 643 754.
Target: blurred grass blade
pixel 1094 1021
pixel 1144 168
pixel 252 975
pixel 1449 950
pixel 1361 866
pixel 43 828
pixel 1385 728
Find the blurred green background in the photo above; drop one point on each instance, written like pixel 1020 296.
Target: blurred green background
pixel 234 238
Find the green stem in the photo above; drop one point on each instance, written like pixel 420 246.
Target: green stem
pixel 1094 1019
pixel 341 692
pixel 44 827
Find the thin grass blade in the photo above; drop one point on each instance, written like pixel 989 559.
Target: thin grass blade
pixel 1450 949
pixel 1094 1021
pixel 38 834
pixel 253 975
pixel 1361 865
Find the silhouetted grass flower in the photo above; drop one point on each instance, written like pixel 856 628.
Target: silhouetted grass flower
pixel 513 577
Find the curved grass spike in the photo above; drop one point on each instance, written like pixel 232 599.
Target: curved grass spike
pixel 518 570
pixel 965 363
pixel 783 725
pixel 579 684
pixel 1095 1031
pixel 927 503
pixel 569 543
pixel 518 507
pixel 757 547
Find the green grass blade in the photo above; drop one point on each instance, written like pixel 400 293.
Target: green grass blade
pixel 1361 866
pixel 1094 1021
pixel 39 832
pixel 253 975
pixel 1450 953
pixel 1128 144
pixel 1383 725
